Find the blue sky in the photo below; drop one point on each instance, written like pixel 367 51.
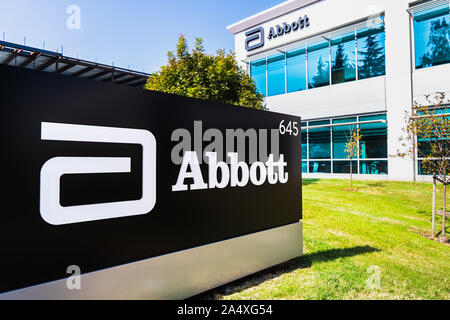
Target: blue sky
pixel 134 33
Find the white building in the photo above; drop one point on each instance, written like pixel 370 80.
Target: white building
pixel 340 64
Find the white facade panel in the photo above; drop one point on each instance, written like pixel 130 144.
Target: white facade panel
pixel 338 100
pixel 430 80
pixel 398 84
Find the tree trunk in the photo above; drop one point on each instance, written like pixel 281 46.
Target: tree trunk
pixel 351 178
pixel 414 161
pixel 444 211
pixel 433 217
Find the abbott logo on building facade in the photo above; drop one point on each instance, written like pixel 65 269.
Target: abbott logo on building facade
pixel 252 36
pixel 50 208
pixel 279 30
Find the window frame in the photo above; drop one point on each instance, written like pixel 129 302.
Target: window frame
pixel 305 130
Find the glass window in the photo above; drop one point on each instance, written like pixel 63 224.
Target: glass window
pixel 275 74
pixel 421 170
pixel 304 145
pixel 372 158
pixel 424 169
pixel 343 58
pixel 431 37
pixel 373 167
pixel 296 70
pixel 304 166
pixel 318 64
pixel 320 167
pixel 258 73
pixel 341 135
pixel 344 166
pixel 319 141
pixel 423 147
pixel 373 143
pixel 426 143
pixel 371 53
pixel 427 146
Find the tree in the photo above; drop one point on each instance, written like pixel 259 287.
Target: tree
pixel 352 150
pixel 372 58
pixel 427 135
pixel 200 75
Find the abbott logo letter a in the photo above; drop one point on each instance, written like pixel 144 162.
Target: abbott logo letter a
pixel 51 172
pixel 252 36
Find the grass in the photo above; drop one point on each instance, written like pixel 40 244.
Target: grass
pixel 352 239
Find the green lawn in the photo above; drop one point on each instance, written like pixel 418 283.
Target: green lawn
pixel 351 239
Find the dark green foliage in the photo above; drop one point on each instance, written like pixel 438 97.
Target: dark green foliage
pixel 200 75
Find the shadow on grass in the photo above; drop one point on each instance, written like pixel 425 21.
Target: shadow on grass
pixel 306 182
pixel 376 184
pixel 302 262
pixel 439 229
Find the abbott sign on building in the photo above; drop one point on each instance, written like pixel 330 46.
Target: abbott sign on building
pixel 113 192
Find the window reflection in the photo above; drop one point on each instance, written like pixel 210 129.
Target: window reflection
pixel 373 167
pixel 304 167
pixel 341 136
pixel 343 57
pixel 371 53
pixel 304 145
pixel 374 136
pixel 320 167
pixel 426 146
pixel 322 61
pixel 344 166
pixel 319 64
pixel 258 73
pixel 275 73
pixel 319 141
pixel 431 36
pixel 296 70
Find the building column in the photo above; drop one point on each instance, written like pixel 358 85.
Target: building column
pixel 398 84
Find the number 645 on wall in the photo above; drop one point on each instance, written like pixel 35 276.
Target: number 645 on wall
pixel 290 127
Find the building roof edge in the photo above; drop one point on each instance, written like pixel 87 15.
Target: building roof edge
pixel 269 14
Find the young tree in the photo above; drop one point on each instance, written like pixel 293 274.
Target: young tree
pixel 200 75
pixel 427 135
pixel 352 150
